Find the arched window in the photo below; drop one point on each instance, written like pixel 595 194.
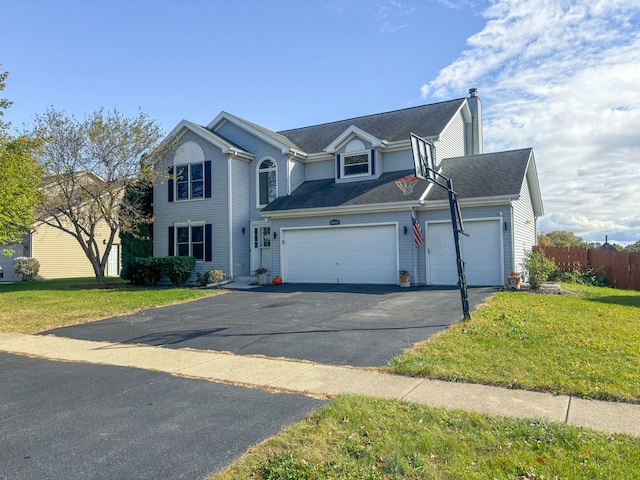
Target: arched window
pixel 267 182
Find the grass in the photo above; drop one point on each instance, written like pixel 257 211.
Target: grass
pixel 586 344
pixel 364 438
pixel 30 307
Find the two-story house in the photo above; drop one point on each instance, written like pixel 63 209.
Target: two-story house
pixel 324 203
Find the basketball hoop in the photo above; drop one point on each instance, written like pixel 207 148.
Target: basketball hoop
pixel 406 184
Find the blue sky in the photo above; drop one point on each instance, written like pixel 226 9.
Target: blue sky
pixel 560 76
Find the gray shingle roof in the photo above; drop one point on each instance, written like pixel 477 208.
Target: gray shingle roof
pixel 486 175
pixel 425 121
pixel 328 193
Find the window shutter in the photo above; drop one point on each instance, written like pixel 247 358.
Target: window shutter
pixel 172 241
pixel 170 185
pixel 208 247
pixel 373 162
pixel 207 179
pixel 337 166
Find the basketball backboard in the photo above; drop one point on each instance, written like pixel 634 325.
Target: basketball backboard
pixel 422 158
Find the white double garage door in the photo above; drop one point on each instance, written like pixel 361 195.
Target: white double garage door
pixel 369 254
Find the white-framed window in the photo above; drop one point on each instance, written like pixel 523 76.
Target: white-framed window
pixel 356 160
pixel 267 182
pixel 189 181
pixel 190 240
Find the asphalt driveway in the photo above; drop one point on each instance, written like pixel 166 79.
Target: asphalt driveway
pixel 358 325
pixel 62 420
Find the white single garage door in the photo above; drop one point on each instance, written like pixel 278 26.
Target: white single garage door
pixel 481 253
pixel 366 254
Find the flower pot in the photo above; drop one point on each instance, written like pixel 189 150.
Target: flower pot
pixel 513 282
pixel 263 279
pixel 404 280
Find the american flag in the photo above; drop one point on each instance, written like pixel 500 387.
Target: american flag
pixel 418 237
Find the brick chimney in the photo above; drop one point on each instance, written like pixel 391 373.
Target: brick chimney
pixel 475 105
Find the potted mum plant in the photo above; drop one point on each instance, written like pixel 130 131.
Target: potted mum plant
pixel 262 275
pixel 513 280
pixel 404 278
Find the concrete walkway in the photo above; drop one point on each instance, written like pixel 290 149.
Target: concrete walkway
pixel 315 380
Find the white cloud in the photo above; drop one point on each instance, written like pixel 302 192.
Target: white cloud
pixel 563 77
pixel 390 14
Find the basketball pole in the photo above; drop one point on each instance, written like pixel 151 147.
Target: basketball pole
pixel 424 162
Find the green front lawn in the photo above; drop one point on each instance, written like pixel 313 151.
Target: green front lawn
pixel 30 307
pixel 363 438
pixel 586 344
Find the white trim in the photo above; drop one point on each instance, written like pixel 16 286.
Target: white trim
pixel 266 170
pixel 190 224
pixel 230 211
pixel 344 210
pixel 207 135
pixel 345 176
pixel 238 122
pixel 334 146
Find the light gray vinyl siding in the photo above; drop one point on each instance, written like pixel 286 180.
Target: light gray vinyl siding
pixel 452 140
pixel 397 161
pixel 208 210
pixel 524 222
pixel 296 173
pixel 320 170
pixel 240 217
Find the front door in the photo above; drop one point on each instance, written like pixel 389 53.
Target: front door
pixel 113 262
pixel 261 246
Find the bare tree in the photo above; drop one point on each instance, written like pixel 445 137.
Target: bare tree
pixel 89 163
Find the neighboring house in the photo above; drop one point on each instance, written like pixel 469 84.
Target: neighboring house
pixel 320 204
pixel 59 254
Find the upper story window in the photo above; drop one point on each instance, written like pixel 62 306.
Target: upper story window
pixel 189 181
pixel 356 160
pixel 267 190
pixel 190 175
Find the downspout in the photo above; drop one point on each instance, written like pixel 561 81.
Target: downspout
pixel 513 236
pixel 230 210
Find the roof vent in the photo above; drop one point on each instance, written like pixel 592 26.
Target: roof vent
pixel 473 92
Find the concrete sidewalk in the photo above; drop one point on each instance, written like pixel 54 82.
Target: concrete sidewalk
pixel 285 375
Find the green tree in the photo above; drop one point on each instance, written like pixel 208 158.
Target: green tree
pixel 20 177
pixel 561 238
pixel 634 247
pixel 89 164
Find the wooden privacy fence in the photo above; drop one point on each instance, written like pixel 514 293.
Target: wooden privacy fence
pixel 624 266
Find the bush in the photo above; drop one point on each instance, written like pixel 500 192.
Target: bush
pixel 589 276
pixel 178 269
pixel 213 276
pixel 26 267
pixel 539 268
pixel 145 271
pixel 138 245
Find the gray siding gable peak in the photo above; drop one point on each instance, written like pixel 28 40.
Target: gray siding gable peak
pixel 272 138
pixel 213 138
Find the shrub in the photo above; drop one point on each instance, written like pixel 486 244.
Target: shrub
pixel 26 267
pixel 178 269
pixel 134 245
pixel 145 271
pixel 539 268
